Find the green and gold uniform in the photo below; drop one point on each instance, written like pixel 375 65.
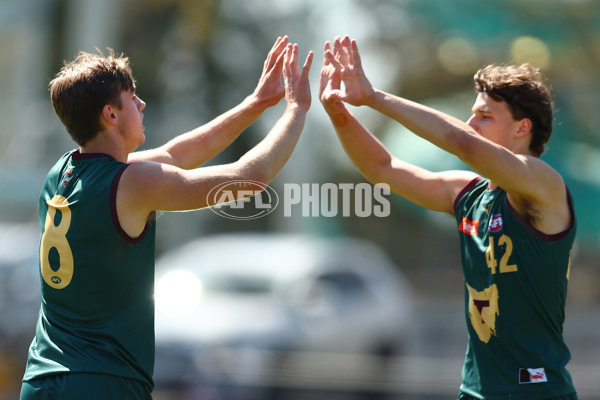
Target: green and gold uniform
pixel 97 312
pixel 515 291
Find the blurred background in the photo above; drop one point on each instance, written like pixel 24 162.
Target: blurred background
pixel 194 59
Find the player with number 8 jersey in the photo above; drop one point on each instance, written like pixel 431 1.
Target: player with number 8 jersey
pixel 95 333
pixel 96 280
pixel 515 276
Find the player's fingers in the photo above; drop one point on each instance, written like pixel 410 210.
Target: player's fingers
pixel 290 62
pixel 279 45
pixel 346 42
pixel 349 48
pixel 279 63
pixel 333 95
pixel 275 52
pixel 343 48
pixel 326 49
pixel 355 54
pixel 337 48
pixel 330 59
pixel 294 60
pixel 307 64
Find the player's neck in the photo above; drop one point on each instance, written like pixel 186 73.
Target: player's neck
pixel 106 144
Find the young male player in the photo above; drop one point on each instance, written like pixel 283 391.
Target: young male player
pixel 515 218
pixel 95 333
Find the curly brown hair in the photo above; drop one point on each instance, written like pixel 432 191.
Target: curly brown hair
pixel 84 86
pixel 523 89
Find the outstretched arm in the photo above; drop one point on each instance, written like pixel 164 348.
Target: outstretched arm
pixel 150 186
pixel 194 148
pixel 435 191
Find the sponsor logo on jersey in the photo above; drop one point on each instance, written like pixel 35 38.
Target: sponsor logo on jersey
pixel 67 177
pixel 496 223
pixel 469 227
pixel 532 375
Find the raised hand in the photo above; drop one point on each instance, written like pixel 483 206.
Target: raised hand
pixel 297 88
pixel 345 58
pixel 330 82
pixel 269 90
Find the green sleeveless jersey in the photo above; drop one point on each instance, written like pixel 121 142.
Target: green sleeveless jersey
pixel 97 312
pixel 515 291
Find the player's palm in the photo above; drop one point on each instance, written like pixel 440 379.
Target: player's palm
pixel 357 88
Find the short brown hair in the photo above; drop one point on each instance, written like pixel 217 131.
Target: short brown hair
pixel 84 86
pixel 523 89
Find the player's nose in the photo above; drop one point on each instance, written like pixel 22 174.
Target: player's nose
pixel 473 123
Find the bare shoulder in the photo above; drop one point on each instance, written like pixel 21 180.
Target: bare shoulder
pixel 544 200
pixel 136 194
pixel 142 178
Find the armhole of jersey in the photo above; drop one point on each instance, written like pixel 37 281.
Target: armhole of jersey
pixel 113 210
pixel 541 235
pixel 465 190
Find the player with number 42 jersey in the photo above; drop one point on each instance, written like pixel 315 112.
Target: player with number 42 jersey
pixel 514 212
pixel 515 276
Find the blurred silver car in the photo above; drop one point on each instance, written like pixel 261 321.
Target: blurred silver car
pixel 19 301
pixel 231 306
pixel 19 283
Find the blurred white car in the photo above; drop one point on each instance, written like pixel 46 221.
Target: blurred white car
pixel 239 303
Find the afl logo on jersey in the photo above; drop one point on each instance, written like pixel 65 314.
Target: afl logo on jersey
pixel 496 223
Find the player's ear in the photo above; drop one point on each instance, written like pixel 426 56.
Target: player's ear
pixel 108 115
pixel 525 126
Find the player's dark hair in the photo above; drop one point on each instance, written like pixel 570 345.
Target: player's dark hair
pixel 84 86
pixel 523 89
